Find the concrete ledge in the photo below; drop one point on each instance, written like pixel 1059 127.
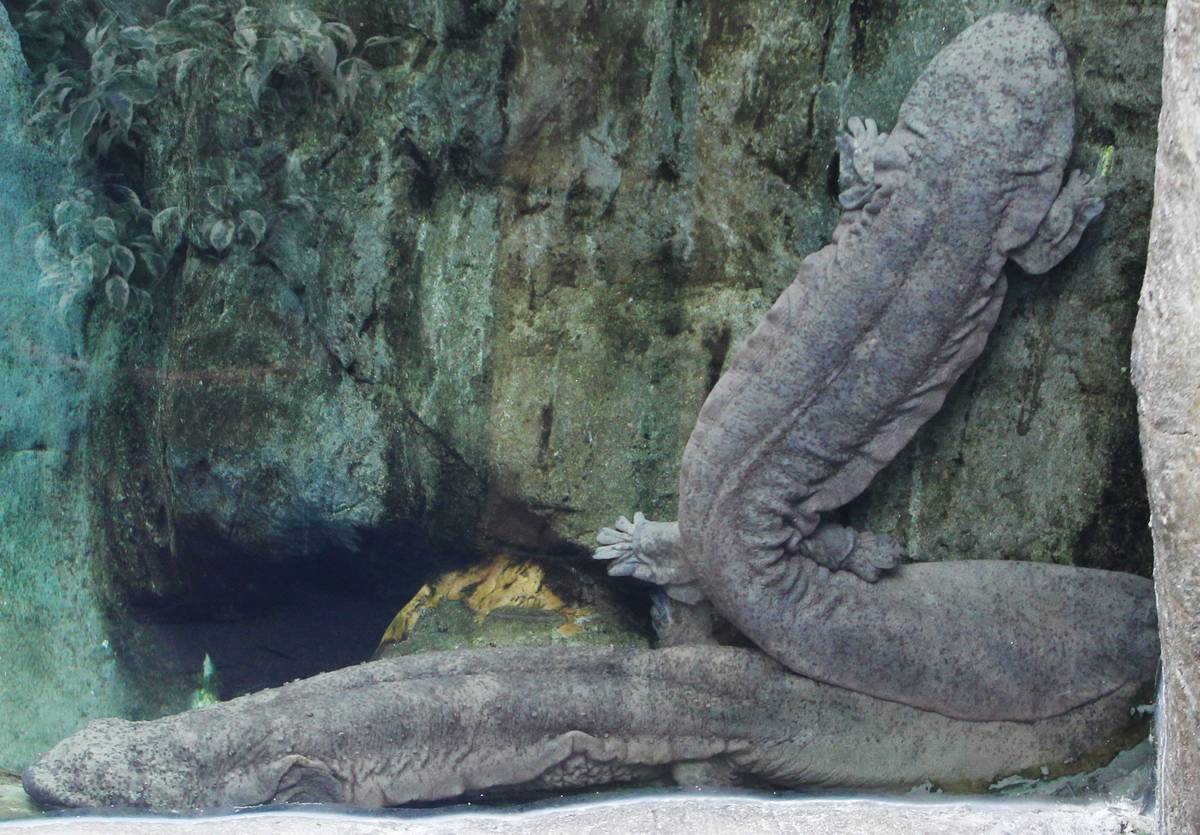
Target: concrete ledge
pixel 691 814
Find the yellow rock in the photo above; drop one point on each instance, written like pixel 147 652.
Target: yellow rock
pixel 508 602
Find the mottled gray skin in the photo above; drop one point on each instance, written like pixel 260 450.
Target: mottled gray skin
pixel 858 352
pixel 443 724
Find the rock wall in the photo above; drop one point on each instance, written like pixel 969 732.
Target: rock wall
pixel 490 301
pixel 528 261
pixel 57 662
pixel 1166 367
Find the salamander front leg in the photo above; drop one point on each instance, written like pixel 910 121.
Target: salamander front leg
pixel 646 550
pixel 856 152
pixel 868 556
pixel 1080 200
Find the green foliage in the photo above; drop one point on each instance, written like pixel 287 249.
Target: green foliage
pixel 233 190
pixel 93 241
pixel 92 108
pixel 92 104
pixel 253 47
pixel 208 684
pixel 1104 165
pixel 105 69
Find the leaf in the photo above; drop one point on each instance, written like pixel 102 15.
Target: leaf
pixel 104 64
pixel 346 81
pixel 244 19
pixel 68 210
pixel 75 241
pixel 166 225
pixel 120 108
pixel 217 197
pixel 245 38
pixel 131 197
pixel 300 203
pixel 144 243
pixel 122 259
pixel 304 19
pixel 28 233
pixel 93 37
pixel 343 86
pixel 138 84
pixel 255 224
pixel 83 117
pixel 117 291
pixel 136 37
pixel 83 269
pixel 184 60
pixel 374 85
pixel 327 55
pixel 65 301
pixel 245 186
pixel 155 262
pixel 287 49
pixel 221 234
pixel 51 85
pixel 45 253
pixel 254 77
pixel 105 229
pixel 104 141
pixel 382 40
pixel 54 277
pixel 341 32
pixel 100 259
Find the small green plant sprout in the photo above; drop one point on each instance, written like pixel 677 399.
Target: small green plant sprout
pixel 1104 166
pixel 92 241
pixel 228 214
pixel 208 685
pixel 94 108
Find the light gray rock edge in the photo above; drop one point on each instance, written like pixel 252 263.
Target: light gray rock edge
pixel 671 814
pixel 1166 373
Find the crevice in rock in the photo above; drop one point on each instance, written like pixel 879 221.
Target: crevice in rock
pixel 717 345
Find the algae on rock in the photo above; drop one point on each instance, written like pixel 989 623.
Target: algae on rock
pixel 525 264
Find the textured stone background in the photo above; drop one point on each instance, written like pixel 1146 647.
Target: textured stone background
pixel 531 262
pixel 1167 374
pixel 530 259
pixel 56 664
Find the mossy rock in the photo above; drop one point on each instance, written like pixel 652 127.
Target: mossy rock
pixel 511 603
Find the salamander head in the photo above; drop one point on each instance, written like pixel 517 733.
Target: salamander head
pixel 102 765
pixel 1002 90
pixel 115 763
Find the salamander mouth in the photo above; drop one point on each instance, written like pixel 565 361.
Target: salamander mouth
pixel 92 769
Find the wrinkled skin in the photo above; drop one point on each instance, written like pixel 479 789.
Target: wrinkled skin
pixel 436 726
pixel 857 353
